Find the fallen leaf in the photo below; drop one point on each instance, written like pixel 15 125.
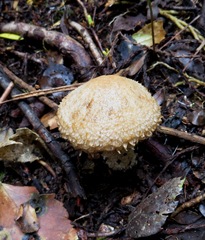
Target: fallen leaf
pixel 23 146
pixel 127 22
pixel 11 36
pixel 149 216
pixel 53 219
pixel 24 210
pixel 197 118
pixel 50 120
pixel 144 35
pixel 11 197
pixel 27 219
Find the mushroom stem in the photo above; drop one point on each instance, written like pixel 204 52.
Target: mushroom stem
pixel 120 161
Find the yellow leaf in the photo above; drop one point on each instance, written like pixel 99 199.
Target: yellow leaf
pixel 144 35
pixel 11 36
pixel 29 2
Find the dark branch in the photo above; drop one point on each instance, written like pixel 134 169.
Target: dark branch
pixel 73 183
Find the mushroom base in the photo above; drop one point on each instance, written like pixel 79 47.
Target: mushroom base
pixel 120 161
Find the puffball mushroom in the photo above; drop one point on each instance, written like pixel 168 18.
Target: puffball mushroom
pixel 108 114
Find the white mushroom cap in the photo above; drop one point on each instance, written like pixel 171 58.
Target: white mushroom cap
pixel 108 113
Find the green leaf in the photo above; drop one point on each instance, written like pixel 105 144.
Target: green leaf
pixel 11 36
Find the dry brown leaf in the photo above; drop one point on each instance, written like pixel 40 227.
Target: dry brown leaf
pixel 50 120
pixel 54 220
pixel 150 215
pixel 24 204
pixel 27 219
pixel 11 197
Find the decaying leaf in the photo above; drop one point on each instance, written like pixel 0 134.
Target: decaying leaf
pixel 110 3
pixel 23 210
pixel 50 120
pixel 53 219
pixel 197 118
pixel 144 35
pixel 11 197
pixel 127 23
pixel 23 146
pixel 27 219
pixel 149 216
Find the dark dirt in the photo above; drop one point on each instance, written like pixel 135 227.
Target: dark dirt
pixel 181 98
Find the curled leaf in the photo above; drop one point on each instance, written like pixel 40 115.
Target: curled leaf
pixel 23 146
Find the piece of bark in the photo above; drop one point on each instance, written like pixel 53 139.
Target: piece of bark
pixel 74 186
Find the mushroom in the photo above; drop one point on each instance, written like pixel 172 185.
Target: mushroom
pixel 109 115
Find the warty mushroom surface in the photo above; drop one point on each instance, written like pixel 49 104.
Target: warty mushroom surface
pixel 108 114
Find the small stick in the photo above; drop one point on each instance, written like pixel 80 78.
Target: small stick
pixel 26 86
pixel 6 92
pixel 87 16
pixel 176 133
pixel 189 204
pixel 87 38
pixel 48 167
pixel 38 93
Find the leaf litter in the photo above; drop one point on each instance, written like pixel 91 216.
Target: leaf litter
pixel 150 215
pixel 23 146
pixel 23 211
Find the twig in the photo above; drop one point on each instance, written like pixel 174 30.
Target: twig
pixel 73 185
pixel 202 16
pixel 169 162
pixel 87 38
pixel 184 228
pixel 195 80
pixel 6 92
pixel 188 204
pixel 103 234
pixel 38 93
pixel 187 136
pixel 25 86
pixel 178 33
pixel 182 24
pixel 31 57
pixel 48 167
pixel 64 43
pixel 87 16
pixel 152 23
